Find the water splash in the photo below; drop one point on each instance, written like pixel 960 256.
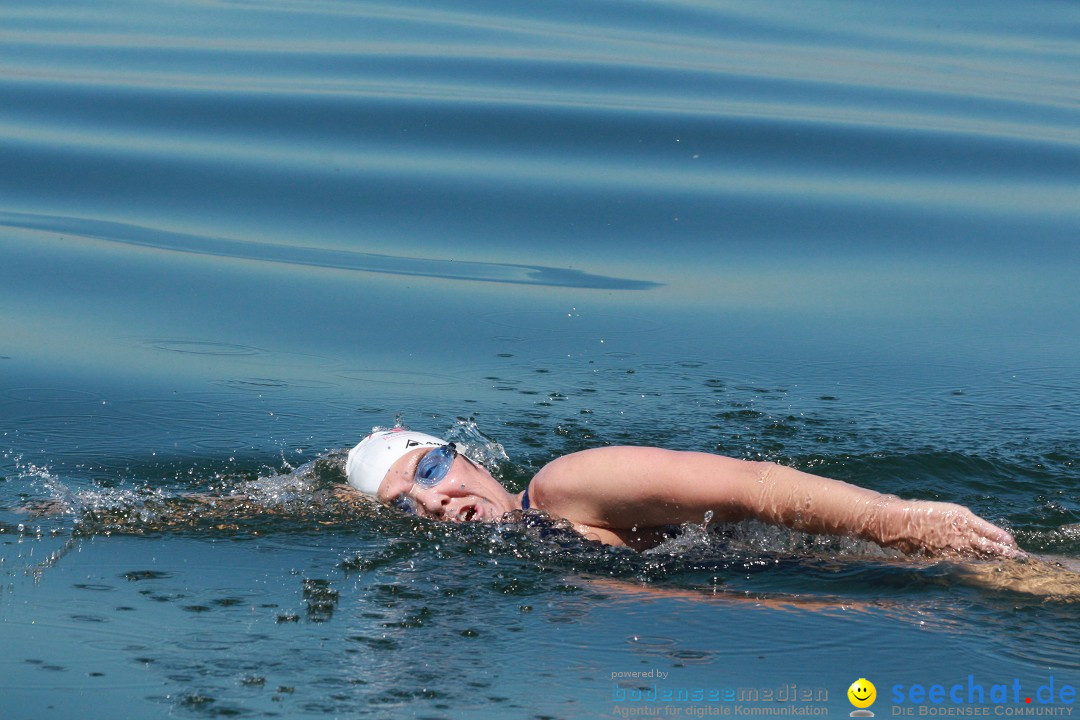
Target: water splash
pixel 216 501
pixel 477 446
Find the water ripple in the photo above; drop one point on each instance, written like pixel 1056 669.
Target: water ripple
pixel 319 257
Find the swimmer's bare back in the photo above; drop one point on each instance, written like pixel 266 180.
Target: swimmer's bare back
pixel 201 510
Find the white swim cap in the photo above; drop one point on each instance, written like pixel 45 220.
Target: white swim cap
pixel 371 459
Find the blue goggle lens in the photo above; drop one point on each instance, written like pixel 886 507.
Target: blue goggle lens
pixel 433 467
pixel 404 503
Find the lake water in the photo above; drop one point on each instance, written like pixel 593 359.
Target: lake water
pixel 235 236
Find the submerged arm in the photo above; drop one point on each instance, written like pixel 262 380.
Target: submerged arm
pixel 620 488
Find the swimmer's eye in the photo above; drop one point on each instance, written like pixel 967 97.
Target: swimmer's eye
pixel 433 467
pixel 404 503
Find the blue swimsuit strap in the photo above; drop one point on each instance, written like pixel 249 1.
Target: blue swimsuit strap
pixel 525 499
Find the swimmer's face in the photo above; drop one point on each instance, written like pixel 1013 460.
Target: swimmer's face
pixel 468 493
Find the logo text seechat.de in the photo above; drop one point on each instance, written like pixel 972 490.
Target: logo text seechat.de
pixel 974 693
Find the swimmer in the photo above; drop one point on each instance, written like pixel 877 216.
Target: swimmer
pixel 629 495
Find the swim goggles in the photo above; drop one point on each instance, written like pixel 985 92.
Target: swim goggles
pixel 430 471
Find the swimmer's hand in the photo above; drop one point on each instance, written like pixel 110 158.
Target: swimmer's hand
pixel 938 528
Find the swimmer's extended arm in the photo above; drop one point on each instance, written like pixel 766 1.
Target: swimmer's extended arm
pixel 620 488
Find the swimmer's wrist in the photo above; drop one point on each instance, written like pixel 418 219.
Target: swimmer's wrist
pixel 885 522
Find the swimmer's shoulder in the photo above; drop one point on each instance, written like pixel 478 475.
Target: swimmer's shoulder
pixel 561 486
pixel 575 486
pixel 603 471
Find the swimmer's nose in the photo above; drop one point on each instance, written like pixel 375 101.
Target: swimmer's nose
pixel 434 502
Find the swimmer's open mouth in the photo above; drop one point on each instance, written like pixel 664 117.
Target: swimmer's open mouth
pixel 467 513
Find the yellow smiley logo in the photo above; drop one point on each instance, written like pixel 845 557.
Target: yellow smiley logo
pixel 862 693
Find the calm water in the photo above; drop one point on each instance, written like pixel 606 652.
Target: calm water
pixel 237 235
